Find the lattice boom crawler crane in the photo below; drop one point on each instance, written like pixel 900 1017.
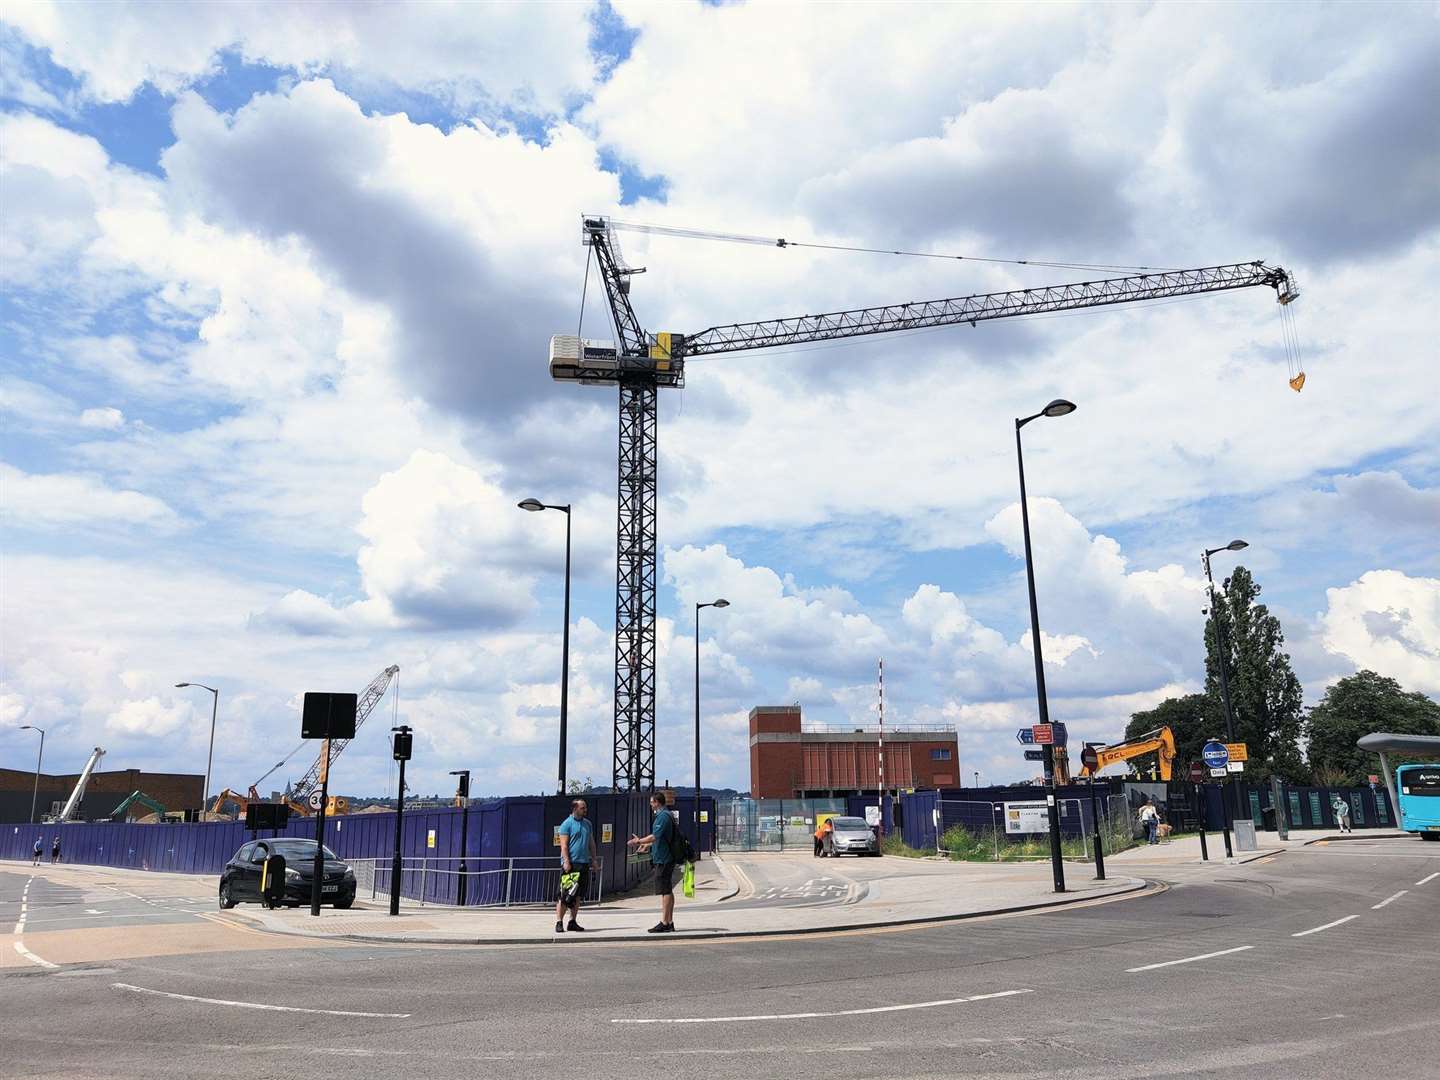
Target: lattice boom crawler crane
pixel 640 363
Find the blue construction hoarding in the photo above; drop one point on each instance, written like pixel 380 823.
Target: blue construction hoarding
pixel 499 830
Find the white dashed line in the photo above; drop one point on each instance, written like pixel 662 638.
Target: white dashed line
pixel 1189 959
pixel 255 1004
pixel 818 1015
pixel 1388 900
pixel 28 955
pixel 1432 877
pixel 1327 926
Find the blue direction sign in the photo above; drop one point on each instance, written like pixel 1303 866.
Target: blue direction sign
pixel 1061 735
pixel 1215 754
pixel 1034 755
pixel 1025 736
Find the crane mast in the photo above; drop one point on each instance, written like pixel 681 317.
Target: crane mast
pixel 640 363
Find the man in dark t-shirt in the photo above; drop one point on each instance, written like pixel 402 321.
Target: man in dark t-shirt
pixel 663 859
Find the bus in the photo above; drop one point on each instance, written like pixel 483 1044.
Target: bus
pixel 1419 788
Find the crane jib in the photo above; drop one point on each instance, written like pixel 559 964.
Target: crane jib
pixel 984 307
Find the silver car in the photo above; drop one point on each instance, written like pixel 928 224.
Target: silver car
pixel 852 836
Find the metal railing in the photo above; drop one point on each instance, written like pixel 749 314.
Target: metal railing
pixel 489 882
pixel 978 831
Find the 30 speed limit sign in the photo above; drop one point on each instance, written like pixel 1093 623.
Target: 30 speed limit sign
pixel 314 800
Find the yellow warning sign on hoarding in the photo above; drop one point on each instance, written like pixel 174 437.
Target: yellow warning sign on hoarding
pixel 607 833
pixel 1237 751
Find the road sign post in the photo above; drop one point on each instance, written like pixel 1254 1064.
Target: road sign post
pixel 1217 756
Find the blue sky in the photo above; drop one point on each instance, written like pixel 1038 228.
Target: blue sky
pixel 278 287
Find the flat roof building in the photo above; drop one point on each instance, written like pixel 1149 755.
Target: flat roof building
pixel 790 759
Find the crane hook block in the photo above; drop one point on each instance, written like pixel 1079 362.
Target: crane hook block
pixel 1298 382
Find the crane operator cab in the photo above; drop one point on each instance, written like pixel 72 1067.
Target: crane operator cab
pixel 595 363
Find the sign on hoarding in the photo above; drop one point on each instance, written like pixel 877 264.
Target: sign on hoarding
pixel 1027 817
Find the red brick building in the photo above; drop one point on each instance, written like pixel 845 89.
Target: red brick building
pixel 790 759
pixel 174 791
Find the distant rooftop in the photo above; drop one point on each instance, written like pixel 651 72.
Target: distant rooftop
pixel 871 729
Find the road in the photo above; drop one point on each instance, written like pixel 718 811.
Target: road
pixel 1317 963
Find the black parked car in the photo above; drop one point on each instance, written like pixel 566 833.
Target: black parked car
pixel 240 880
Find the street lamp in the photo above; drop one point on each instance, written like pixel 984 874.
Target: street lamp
pixel 535 506
pixel 209 757
pixel 1058 407
pixel 1221 650
pixel 715 604
pixel 38 760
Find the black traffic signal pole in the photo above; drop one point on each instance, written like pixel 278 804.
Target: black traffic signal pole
pixel 401 753
pixel 462 794
pixel 1095 824
pixel 1202 808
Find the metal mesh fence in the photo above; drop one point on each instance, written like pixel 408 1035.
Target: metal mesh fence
pixel 771 824
pixel 1018 830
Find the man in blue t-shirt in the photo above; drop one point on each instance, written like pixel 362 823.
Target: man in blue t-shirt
pixel 663 859
pixel 577 853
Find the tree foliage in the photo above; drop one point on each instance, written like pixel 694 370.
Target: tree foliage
pixel 1362 704
pixel 1188 718
pixel 1265 695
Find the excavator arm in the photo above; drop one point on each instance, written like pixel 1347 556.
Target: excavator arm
pixel 1161 741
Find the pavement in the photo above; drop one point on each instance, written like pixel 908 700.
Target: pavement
pixel 736 895
pixel 1318 962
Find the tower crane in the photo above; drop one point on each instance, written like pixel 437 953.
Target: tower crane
pixel 640 363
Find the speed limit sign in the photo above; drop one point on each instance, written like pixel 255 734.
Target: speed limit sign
pixel 314 800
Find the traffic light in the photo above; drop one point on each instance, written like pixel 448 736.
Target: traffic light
pixel 403 742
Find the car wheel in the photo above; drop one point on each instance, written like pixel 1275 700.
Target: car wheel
pixel 342 904
pixel 1430 835
pixel 227 900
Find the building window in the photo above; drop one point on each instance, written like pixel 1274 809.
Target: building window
pixel 940 754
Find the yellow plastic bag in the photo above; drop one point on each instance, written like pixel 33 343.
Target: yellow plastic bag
pixel 687 881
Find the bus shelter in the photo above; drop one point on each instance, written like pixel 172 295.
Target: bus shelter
pixel 1382 742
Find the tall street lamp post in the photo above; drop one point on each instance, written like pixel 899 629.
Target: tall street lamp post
pixel 535 506
pixel 209 757
pixel 1058 407
pixel 715 604
pixel 39 760
pixel 1221 650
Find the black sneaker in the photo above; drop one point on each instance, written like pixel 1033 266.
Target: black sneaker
pixel 559 927
pixel 659 928
pixel 575 927
pixel 669 928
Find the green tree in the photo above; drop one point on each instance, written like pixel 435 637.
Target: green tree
pixel 1188 718
pixel 1265 695
pixel 1362 704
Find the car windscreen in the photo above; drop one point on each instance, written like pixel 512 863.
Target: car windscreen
pixel 849 823
pixel 295 850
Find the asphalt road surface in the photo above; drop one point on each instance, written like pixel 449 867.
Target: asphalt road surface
pixel 1317 963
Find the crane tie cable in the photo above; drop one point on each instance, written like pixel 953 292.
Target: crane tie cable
pixel 781 242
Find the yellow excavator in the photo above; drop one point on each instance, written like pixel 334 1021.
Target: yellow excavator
pixel 1161 741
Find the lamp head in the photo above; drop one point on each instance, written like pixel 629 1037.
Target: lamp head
pixel 721 603
pixel 532 505
pixel 181 685
pixel 1236 545
pixel 1059 407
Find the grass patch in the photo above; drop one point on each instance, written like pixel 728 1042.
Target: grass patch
pixel 979 845
pixel 894 844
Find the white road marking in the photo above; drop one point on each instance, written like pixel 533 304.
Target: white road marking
pixel 817 1015
pixel 254 1004
pixel 1189 959
pixel 1327 926
pixel 1432 877
pixel 28 955
pixel 1388 900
